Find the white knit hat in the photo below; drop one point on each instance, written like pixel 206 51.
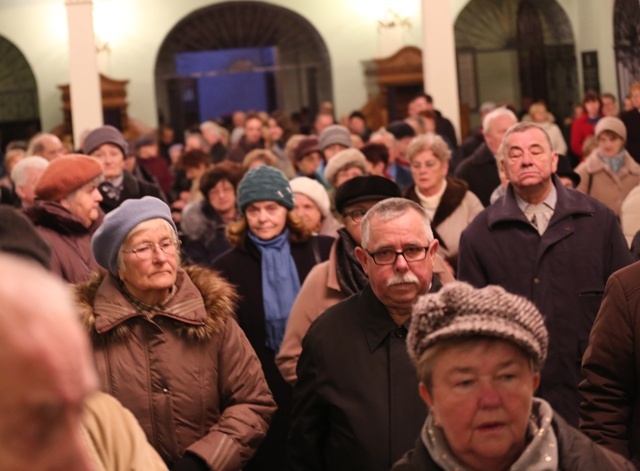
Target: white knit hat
pixel 313 190
pixel 459 310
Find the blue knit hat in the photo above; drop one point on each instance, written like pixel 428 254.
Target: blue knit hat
pixel 106 241
pixel 264 183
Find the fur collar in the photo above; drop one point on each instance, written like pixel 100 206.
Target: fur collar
pixel 199 310
pixel 451 199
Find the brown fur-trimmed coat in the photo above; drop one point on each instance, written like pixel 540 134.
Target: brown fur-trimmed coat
pixel 187 373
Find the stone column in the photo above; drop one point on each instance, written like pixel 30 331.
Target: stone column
pixel 439 58
pixel 84 80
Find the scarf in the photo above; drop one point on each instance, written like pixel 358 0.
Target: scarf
pixel 431 203
pixel 351 277
pixel 615 163
pixel 540 454
pixel 280 285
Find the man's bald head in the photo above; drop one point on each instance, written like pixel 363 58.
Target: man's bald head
pixel 46 371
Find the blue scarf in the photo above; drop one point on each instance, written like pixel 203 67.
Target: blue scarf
pixel 615 163
pixel 280 285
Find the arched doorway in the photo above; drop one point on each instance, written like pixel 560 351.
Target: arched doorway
pixel 516 51
pixel 301 73
pixel 626 27
pixel 19 112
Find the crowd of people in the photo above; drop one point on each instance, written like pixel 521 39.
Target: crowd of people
pixel 272 295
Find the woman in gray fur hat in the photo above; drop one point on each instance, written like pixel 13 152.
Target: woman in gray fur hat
pixel 478 353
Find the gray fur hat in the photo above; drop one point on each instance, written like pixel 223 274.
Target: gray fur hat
pixel 459 310
pixel 106 241
pixel 344 159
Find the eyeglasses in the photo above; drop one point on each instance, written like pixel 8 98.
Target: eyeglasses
pixel 389 257
pixel 356 215
pixel 145 251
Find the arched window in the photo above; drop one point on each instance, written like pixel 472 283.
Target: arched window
pixel 301 73
pixel 516 51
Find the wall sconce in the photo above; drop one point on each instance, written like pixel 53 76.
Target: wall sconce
pixel 392 19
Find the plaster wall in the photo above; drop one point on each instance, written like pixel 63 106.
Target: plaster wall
pixel 349 28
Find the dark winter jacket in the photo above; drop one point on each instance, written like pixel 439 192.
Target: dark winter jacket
pixel 563 272
pixel 188 373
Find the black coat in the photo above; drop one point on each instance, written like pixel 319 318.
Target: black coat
pixel 132 187
pixel 356 403
pixel 631 120
pixel 563 272
pixel 242 267
pixel 480 171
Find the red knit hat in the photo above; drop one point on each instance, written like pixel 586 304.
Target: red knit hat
pixel 66 174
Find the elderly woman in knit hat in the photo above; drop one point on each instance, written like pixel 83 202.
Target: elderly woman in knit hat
pixel 609 173
pixel 478 353
pixel 272 255
pixel 109 147
pixel 313 207
pixel 166 343
pixel 346 164
pixel 67 212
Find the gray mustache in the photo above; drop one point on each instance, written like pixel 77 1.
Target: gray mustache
pixel 399 279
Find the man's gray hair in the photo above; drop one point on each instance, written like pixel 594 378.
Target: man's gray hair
pixel 498 112
pixel 518 128
pixel 392 208
pixel 380 134
pixel 211 126
pixel 19 173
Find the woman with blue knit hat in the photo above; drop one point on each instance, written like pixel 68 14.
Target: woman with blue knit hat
pixel 272 255
pixel 167 345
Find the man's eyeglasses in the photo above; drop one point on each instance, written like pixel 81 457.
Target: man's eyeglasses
pixel 389 257
pixel 145 251
pixel 356 215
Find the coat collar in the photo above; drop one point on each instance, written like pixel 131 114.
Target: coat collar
pixel 202 304
pixel 593 164
pixel 483 155
pixel 375 318
pixel 112 308
pixel 569 203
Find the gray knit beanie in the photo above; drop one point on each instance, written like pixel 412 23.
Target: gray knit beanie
pixel 264 183
pixel 459 310
pixel 104 135
pixel 106 241
pixel 334 134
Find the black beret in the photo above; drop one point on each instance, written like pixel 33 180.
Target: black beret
pixel 367 188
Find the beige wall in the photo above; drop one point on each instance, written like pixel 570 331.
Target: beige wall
pixel 38 29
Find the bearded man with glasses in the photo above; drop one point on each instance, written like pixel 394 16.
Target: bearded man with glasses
pixel 355 402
